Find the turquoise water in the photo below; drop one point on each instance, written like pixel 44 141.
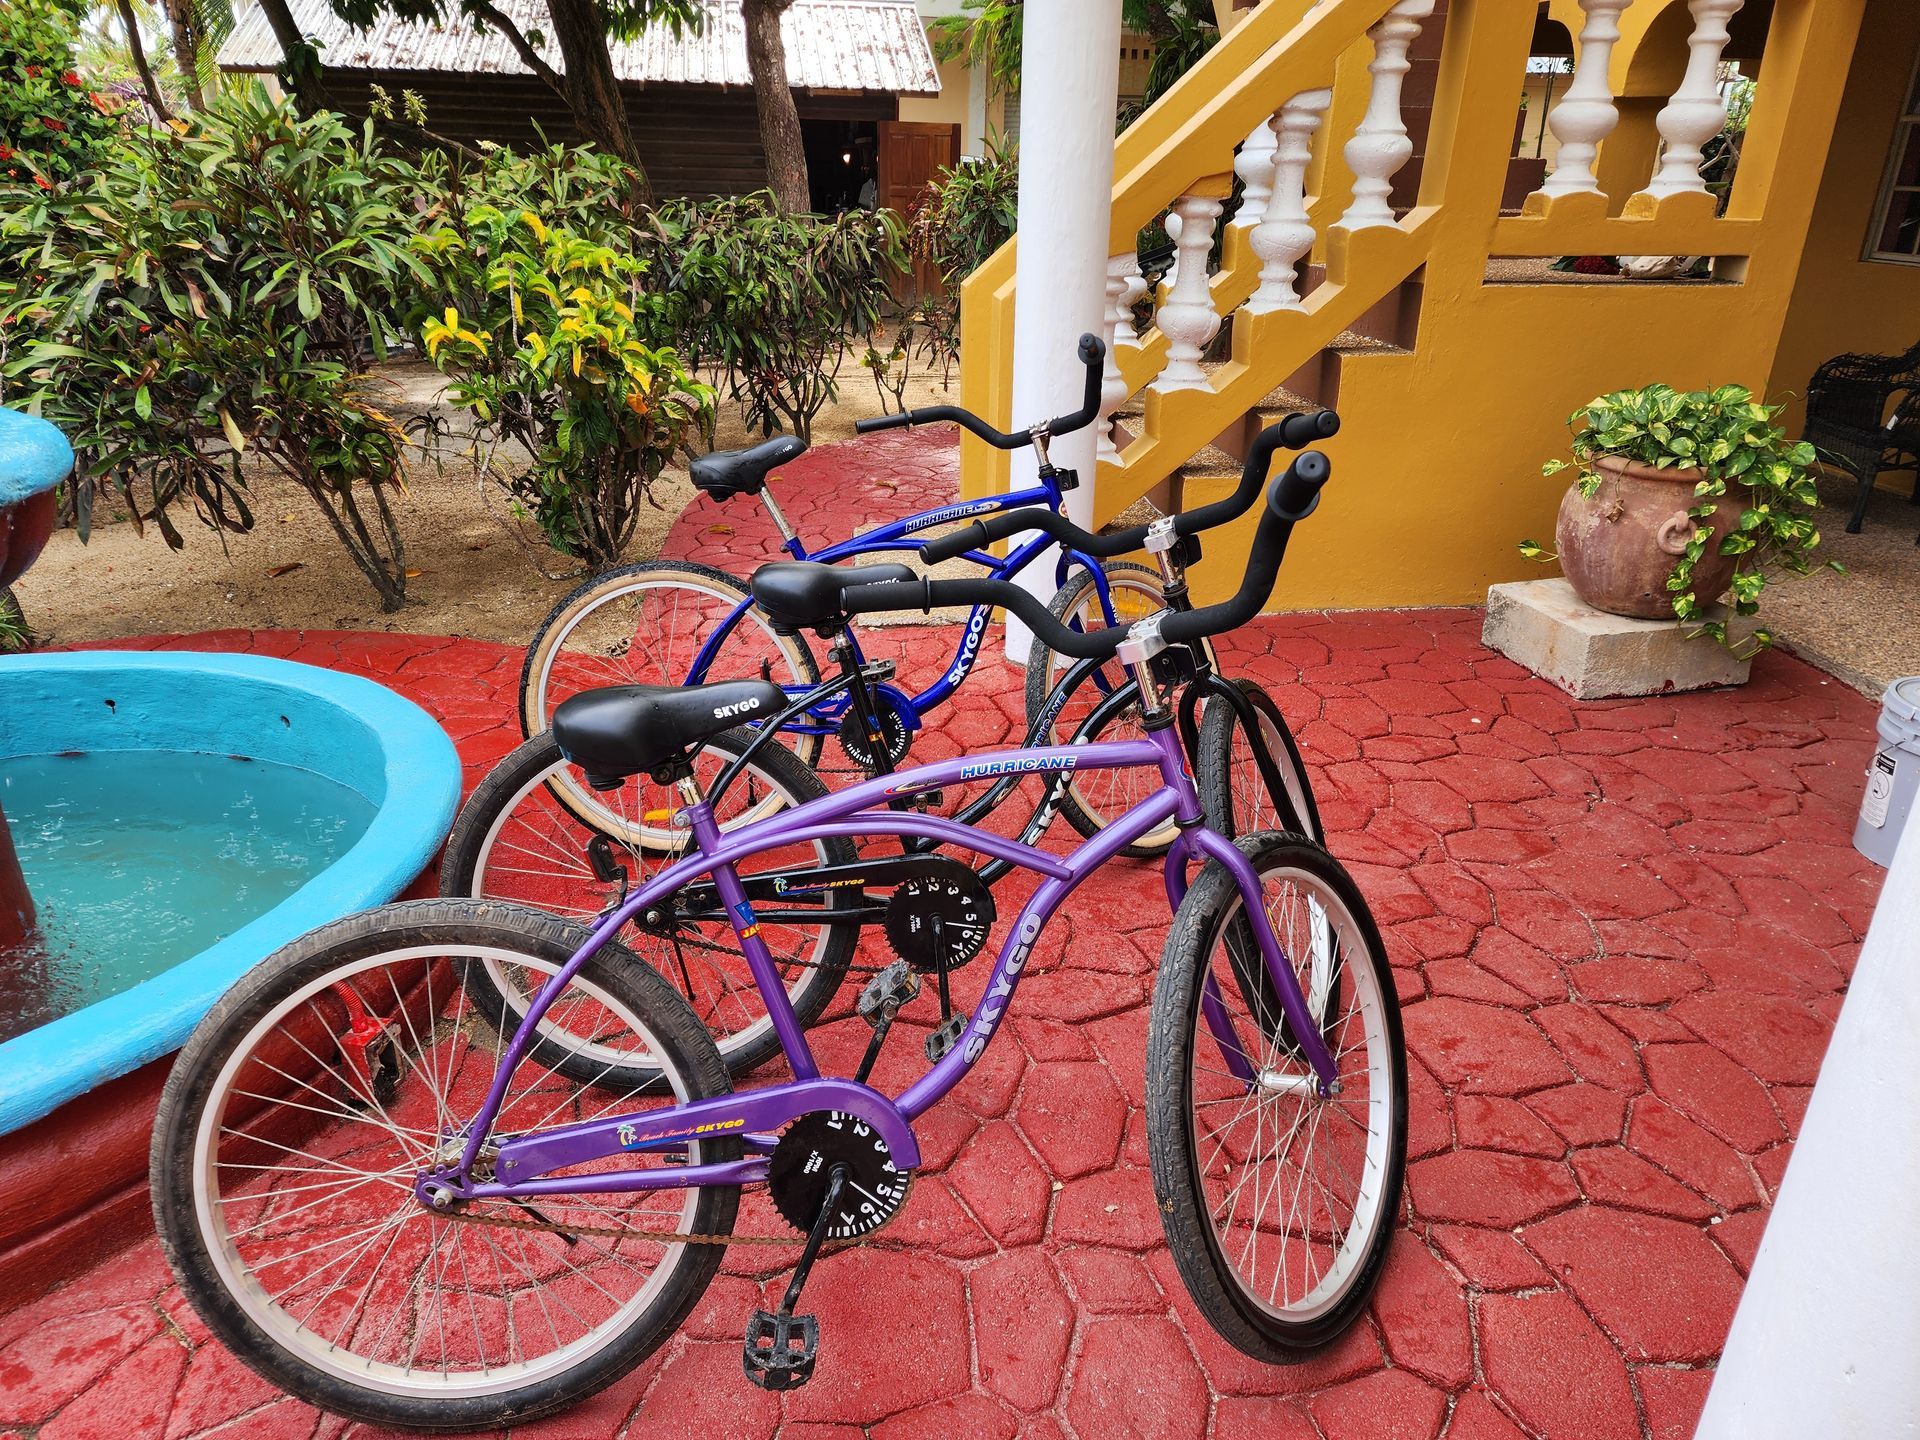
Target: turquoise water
pixel 137 860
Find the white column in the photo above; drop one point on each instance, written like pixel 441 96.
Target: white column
pixel 1186 317
pixel 1380 146
pixel 1070 89
pixel 973 140
pixel 1826 1340
pixel 1586 114
pixel 1697 110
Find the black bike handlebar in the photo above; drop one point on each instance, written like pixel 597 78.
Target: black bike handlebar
pixel 1291 498
pixel 1292 432
pixel 1093 352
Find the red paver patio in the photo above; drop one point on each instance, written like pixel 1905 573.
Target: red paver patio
pixel 1621 932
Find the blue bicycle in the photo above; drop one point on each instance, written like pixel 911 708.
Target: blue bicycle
pixel 675 622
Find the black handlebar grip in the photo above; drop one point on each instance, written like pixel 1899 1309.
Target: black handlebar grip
pixel 1304 429
pixel 883 422
pixel 1298 491
pixel 1093 350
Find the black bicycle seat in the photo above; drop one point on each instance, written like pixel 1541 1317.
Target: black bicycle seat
pixel 797 593
pixel 724 473
pixel 624 730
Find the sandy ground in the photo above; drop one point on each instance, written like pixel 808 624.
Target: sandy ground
pixel 1864 626
pixel 474 578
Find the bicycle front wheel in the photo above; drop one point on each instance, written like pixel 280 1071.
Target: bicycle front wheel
pixel 1278 1203
pixel 1233 787
pixel 302 1109
pixel 1092 799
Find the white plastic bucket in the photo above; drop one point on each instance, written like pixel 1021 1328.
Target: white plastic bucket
pixel 1893 775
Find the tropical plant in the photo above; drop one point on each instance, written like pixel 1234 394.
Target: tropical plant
pixel 960 219
pixel 771 299
pixel 206 305
pixel 562 351
pixel 1731 439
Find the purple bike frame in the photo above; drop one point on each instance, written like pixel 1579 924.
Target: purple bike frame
pixel 524 1164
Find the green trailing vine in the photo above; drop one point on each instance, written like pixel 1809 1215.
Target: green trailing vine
pixel 1731 438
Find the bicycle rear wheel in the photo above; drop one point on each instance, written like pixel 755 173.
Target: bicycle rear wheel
pixel 1278 1204
pixel 299 1112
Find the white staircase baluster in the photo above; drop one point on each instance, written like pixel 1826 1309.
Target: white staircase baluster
pixel 1120 327
pixel 1171 224
pixel 1128 333
pixel 1380 146
pixel 1113 385
pixel 1284 233
pixel 1255 167
pixel 1697 110
pixel 1586 113
pixel 1186 317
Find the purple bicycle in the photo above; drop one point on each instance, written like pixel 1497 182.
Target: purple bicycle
pixel 406 1210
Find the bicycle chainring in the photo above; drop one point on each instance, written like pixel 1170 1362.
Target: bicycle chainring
pixel 860 747
pixel 803 1159
pixel 940 916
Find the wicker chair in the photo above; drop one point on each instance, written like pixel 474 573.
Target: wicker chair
pixel 1847 402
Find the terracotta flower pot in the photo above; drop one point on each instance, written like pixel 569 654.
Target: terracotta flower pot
pixel 1619 545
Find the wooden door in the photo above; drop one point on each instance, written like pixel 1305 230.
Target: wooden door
pixel 911 154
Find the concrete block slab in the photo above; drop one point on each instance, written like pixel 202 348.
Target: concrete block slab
pixel 1592 655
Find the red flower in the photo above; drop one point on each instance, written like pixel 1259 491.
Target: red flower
pixel 53 124
pixel 6 153
pixel 70 78
pixel 41 181
pixel 33 72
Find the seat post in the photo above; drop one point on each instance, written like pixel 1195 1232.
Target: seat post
pixel 787 532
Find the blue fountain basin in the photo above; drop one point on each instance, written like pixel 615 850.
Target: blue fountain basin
pixel 345 730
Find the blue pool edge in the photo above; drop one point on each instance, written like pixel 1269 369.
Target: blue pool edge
pixel 420 792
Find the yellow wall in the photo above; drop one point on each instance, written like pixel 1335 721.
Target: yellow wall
pixel 1841 302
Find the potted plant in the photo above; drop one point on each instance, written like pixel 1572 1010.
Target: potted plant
pixel 1680 498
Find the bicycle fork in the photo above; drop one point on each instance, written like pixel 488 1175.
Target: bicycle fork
pixel 1196 841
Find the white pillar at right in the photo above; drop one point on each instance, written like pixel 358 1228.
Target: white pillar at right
pixel 1826 1339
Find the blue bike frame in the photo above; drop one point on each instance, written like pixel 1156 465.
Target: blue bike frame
pixel 825 717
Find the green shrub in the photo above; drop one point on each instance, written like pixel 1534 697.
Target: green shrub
pixel 214 291
pixel 959 220
pixel 771 300
pixel 555 345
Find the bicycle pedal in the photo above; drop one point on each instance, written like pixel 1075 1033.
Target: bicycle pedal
pixel 927 800
pixel 780 1350
pixel 889 990
pixel 945 1036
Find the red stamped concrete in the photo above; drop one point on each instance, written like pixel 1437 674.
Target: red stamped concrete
pixel 1620 931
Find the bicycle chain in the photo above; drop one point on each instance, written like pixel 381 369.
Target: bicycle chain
pixel 669 1237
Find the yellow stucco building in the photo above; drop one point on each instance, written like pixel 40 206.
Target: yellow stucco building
pixel 1372 265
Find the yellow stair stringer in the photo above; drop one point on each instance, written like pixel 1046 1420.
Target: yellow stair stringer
pixel 1187 136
